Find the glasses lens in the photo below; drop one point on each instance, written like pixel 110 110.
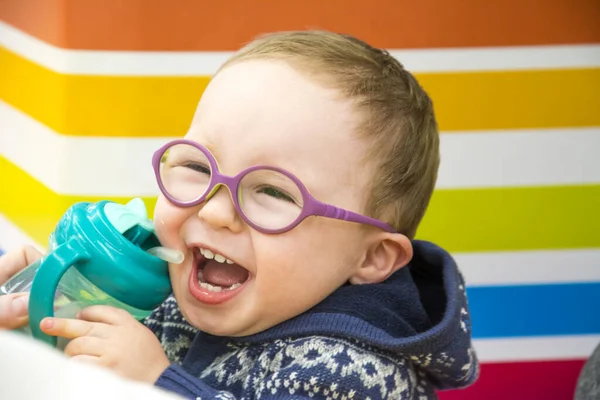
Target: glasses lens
pixel 270 199
pixel 185 172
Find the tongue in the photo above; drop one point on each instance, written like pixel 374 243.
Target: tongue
pixel 224 275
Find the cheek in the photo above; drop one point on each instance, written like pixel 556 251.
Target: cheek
pixel 168 221
pixel 324 251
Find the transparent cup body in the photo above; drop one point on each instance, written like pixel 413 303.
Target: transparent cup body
pixel 74 293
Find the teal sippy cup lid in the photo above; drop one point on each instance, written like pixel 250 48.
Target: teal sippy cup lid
pixel 130 220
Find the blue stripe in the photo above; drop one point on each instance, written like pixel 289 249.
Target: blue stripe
pixel 535 310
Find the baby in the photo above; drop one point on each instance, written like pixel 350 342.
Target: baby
pixel 295 196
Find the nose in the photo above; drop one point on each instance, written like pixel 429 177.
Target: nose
pixel 219 212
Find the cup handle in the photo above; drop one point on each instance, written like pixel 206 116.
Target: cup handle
pixel 45 282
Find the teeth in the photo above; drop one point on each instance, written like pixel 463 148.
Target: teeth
pixel 209 255
pixel 211 288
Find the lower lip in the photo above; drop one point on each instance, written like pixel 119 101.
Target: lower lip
pixel 204 295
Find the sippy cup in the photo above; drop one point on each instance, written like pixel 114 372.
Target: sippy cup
pixel 100 253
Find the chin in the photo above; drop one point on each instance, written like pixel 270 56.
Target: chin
pixel 215 322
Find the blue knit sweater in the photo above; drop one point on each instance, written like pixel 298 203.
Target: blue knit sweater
pixel 404 338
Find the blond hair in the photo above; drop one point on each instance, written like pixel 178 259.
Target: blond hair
pixel 398 116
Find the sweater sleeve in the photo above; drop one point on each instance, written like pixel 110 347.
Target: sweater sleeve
pixel 175 379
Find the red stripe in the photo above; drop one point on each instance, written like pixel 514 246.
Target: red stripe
pixel 552 380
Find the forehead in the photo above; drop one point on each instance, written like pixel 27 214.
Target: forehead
pixel 265 112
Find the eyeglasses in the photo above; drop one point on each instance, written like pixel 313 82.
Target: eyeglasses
pixel 269 199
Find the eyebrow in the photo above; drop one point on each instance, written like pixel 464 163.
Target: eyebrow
pixel 179 151
pixel 208 144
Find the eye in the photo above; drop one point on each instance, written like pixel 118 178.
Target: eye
pixel 202 168
pixel 277 194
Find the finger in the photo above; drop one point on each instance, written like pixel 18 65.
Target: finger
pixel 71 328
pixel 86 345
pixel 13 310
pixel 106 315
pixel 16 260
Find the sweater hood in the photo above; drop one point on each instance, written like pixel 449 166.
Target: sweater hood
pixel 420 313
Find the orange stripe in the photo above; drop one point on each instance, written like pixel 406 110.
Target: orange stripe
pixel 202 25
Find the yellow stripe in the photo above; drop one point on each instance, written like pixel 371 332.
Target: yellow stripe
pixel 515 99
pixel 163 106
pixel 100 105
pixel 459 220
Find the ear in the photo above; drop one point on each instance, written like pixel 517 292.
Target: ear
pixel 389 253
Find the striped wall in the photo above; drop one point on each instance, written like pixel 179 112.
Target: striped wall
pixel 89 89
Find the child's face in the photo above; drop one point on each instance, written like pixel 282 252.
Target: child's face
pixel 264 112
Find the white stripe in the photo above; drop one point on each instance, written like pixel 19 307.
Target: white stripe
pixel 519 158
pixel 548 348
pixel 157 63
pixel 122 166
pixel 530 267
pixel 11 237
pixel 78 165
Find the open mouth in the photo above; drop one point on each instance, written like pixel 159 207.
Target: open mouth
pixel 214 278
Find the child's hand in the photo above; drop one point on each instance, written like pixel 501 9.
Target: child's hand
pixel 111 337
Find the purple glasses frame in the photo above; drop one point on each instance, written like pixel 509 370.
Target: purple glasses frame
pixel 311 206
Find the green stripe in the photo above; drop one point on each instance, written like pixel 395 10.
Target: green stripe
pixel 525 218
pixel 554 217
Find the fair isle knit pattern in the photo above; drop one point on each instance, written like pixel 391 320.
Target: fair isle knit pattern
pixel 314 366
pixel 309 367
